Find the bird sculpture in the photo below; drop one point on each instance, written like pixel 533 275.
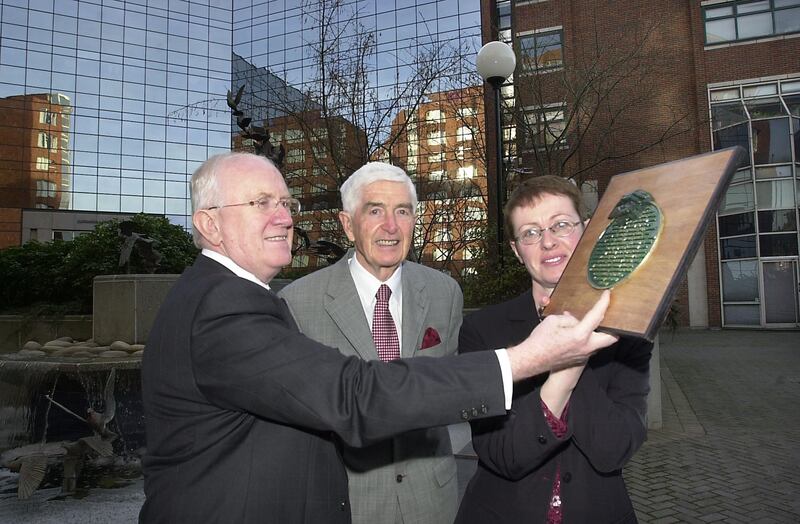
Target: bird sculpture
pixel 98 420
pixel 31 461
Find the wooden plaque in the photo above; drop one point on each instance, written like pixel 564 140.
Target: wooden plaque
pixel 687 193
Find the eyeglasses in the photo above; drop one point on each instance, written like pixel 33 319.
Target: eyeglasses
pixel 533 235
pixel 269 205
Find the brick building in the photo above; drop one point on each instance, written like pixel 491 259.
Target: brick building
pixel 35 165
pixel 607 87
pixel 441 145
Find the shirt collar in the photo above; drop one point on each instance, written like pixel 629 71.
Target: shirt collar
pixel 367 284
pixel 235 268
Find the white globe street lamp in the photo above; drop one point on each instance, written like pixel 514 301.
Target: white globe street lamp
pixel 495 63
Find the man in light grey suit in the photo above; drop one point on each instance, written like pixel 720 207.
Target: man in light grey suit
pixel 410 478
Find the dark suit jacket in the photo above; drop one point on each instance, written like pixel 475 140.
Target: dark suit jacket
pixel 518 453
pixel 241 409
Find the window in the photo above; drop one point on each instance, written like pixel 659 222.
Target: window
pixel 66 235
pixel 476 213
pixel 504 14
pixel 470 252
pixel 442 234
pixel 435 137
pixel 43 163
pixel 320 133
pixel 294 135
pixel 465 172
pixel 320 151
pixel 473 233
pixel 746 20
pixel 434 116
pixel 541 51
pixel 46 117
pixel 545 127
pixel 460 152
pixel 463 134
pixel 48 141
pixel 296 155
pixel 45 189
pixel 300 261
pixel 436 158
pixel 466 112
pixel 436 175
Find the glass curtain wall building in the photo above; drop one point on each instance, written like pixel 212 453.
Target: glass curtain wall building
pixel 758 218
pixel 360 80
pixel 111 105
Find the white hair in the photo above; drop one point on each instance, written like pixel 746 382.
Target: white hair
pixel 369 173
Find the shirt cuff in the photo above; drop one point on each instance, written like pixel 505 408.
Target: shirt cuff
pixel 505 370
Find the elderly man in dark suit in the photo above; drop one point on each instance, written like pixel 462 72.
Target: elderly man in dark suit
pixel 243 413
pixel 412 477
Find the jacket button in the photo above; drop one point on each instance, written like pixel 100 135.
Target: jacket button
pixel 567 476
pixel 342 506
pixel 474 412
pixel 399 478
pixel 484 409
pixel 542 439
pixel 465 414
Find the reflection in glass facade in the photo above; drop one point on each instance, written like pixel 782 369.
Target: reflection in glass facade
pixel 758 219
pixel 343 83
pixel 111 105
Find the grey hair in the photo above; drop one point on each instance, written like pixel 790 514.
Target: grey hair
pixel 205 182
pixel 369 173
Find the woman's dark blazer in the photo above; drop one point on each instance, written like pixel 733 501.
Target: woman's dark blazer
pixel 518 453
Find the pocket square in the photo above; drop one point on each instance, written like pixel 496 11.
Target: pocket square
pixel 430 339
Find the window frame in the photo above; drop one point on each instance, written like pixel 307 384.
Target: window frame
pixel 529 63
pixel 736 15
pixel 542 125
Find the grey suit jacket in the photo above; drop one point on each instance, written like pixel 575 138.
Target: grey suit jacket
pixel 415 472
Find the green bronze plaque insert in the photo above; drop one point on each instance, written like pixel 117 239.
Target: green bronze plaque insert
pixel 626 241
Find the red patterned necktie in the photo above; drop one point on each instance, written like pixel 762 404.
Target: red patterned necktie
pixel 384 332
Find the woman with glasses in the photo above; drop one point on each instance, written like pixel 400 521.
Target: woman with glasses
pixel 558 455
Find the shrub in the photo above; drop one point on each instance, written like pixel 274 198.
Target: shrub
pixel 61 273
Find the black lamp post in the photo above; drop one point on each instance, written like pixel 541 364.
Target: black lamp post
pixel 495 63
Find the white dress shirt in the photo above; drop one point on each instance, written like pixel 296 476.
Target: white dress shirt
pixel 367 287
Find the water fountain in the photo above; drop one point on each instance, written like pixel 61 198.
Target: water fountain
pixel 68 406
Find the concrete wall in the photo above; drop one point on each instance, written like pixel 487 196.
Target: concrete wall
pixel 125 306
pixel 15 330
pixel 698 290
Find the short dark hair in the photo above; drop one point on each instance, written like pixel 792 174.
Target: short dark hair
pixel 534 188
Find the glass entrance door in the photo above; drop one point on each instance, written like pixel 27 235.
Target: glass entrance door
pixel 781 292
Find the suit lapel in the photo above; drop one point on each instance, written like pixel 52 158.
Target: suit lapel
pixel 416 302
pixel 344 307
